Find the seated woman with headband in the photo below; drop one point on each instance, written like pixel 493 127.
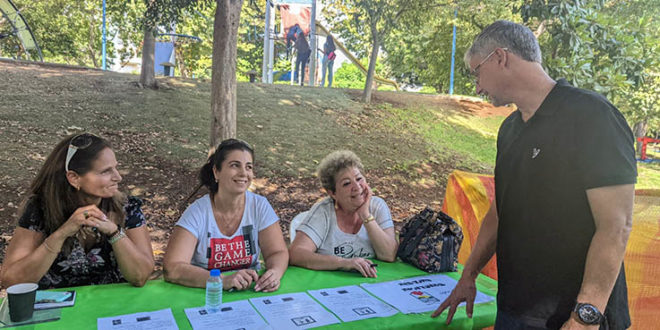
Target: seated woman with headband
pixel 75 227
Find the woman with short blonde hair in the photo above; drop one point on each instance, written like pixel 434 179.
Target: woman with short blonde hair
pixel 349 226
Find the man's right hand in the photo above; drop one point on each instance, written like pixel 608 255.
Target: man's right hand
pixel 465 290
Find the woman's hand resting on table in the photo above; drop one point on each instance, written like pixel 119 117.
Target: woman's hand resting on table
pixel 364 266
pixel 242 279
pixel 269 281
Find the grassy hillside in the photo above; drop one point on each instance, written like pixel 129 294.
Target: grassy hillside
pixel 161 137
pixel 408 142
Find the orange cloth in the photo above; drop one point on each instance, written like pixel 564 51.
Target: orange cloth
pixel 642 261
pixel 468 198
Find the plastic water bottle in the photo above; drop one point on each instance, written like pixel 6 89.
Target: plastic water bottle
pixel 214 291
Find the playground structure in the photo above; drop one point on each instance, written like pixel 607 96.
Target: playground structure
pixel 165 51
pixel 325 33
pixel 315 30
pixel 644 141
pixel 21 29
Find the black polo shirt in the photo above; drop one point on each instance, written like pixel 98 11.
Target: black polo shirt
pixel 575 141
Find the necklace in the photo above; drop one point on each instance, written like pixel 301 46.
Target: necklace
pixel 228 222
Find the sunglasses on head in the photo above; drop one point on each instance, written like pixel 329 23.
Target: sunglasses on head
pixel 80 141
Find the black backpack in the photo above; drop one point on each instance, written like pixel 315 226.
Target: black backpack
pixel 430 241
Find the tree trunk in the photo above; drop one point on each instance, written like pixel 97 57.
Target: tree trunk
pixel 180 63
pixel 147 74
pixel 368 86
pixel 90 46
pixel 639 131
pixel 223 77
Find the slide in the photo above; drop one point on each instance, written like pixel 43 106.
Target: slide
pixel 320 30
pixel 20 28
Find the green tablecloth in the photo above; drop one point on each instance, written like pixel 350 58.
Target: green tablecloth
pixel 97 301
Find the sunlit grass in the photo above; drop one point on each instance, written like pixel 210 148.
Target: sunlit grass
pixel 648 175
pixel 473 138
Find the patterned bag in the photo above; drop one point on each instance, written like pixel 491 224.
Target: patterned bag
pixel 430 242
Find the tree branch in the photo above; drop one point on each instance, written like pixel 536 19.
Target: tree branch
pixel 540 29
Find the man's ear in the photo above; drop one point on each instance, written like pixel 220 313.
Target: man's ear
pixel 502 57
pixel 74 179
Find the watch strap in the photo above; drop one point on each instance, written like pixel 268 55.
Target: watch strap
pixel 598 316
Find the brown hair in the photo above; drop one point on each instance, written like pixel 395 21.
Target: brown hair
pixel 205 175
pixel 51 192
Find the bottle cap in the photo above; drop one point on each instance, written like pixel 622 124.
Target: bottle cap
pixel 215 272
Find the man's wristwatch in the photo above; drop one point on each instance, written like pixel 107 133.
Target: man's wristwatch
pixel 588 314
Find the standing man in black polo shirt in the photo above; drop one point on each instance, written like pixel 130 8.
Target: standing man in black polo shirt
pixel 564 182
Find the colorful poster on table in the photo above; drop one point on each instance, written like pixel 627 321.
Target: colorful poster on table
pixel 418 294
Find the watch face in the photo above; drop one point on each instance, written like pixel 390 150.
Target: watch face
pixel 589 314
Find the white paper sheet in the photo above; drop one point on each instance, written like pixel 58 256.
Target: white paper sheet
pixel 232 315
pixel 161 320
pixel 352 303
pixel 418 294
pixel 293 311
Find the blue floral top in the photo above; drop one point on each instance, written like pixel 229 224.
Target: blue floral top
pixel 96 266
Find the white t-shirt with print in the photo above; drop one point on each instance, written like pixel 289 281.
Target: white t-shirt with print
pixel 320 225
pixel 214 250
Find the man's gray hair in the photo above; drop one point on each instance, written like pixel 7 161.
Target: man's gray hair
pixel 517 38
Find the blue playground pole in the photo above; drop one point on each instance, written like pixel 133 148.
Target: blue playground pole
pixel 103 65
pixel 453 52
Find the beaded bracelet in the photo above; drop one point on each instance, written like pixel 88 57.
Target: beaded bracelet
pixel 116 236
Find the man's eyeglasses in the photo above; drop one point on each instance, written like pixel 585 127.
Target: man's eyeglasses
pixel 80 141
pixel 475 72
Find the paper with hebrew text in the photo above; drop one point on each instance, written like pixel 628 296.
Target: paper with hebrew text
pixel 293 311
pixel 351 303
pixel 161 320
pixel 232 315
pixel 418 294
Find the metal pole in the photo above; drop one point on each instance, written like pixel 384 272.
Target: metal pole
pixel 264 66
pixel 271 44
pixel 312 39
pixel 104 38
pixel 293 66
pixel 453 52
